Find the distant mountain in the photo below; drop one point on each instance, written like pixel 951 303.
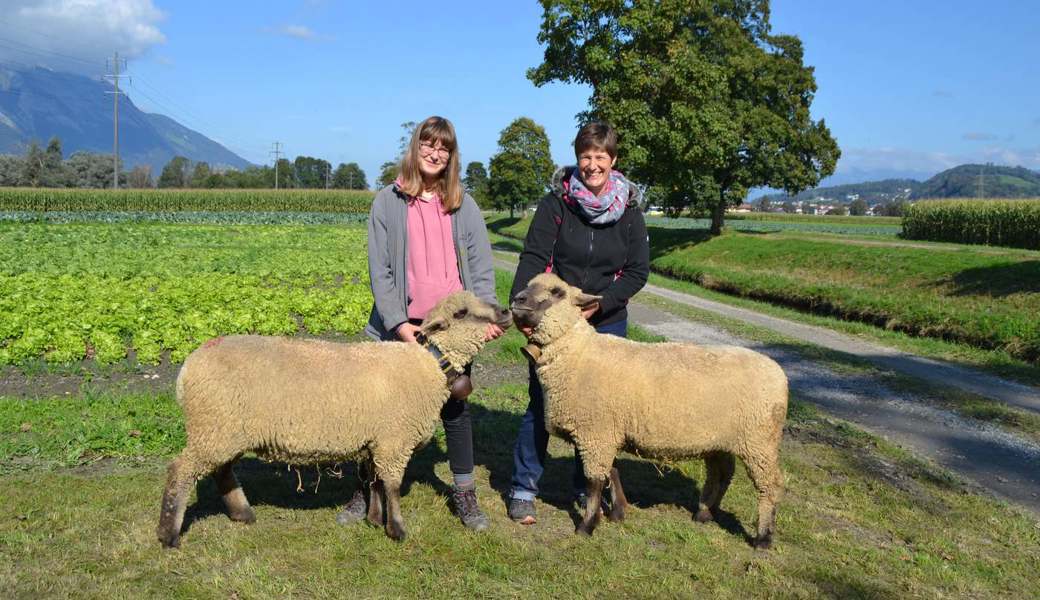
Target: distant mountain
pixel 869 191
pixel 37 104
pixel 987 181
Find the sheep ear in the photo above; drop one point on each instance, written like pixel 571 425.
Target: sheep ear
pixel 584 300
pixel 433 326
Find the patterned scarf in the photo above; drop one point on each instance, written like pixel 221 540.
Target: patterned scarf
pixel 604 209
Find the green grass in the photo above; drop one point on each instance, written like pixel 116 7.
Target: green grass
pixel 860 519
pixel 985 300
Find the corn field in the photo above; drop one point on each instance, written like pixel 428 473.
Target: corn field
pixel 1011 223
pixel 179 200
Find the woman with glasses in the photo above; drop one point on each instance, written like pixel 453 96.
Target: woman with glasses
pixel 427 239
pixel 589 230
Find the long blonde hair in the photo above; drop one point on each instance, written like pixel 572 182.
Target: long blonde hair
pixel 449 186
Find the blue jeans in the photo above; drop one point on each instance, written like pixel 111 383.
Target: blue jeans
pixel 532 440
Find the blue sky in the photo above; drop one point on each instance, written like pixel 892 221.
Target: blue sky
pixel 907 88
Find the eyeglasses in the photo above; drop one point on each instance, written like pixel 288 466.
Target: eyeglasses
pixel 427 149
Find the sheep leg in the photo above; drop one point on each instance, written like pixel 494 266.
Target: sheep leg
pixel 592 506
pixel 375 502
pixel 180 475
pixel 719 472
pixel 618 502
pixel 231 492
pixel 768 481
pixel 394 521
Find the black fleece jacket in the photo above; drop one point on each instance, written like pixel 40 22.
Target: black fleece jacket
pixel 612 260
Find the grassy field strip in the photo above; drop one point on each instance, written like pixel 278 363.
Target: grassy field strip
pixel 175 200
pixel 962 294
pixel 861 518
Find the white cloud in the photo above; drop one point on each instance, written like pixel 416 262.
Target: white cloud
pixel 77 35
pixel 300 32
pixel 980 136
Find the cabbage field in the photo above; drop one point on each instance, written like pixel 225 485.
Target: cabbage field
pixel 112 291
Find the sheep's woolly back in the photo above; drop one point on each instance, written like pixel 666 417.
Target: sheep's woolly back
pixel 308 401
pixel 669 400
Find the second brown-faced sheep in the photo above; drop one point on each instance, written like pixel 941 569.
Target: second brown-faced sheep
pixel 667 401
pixel 311 401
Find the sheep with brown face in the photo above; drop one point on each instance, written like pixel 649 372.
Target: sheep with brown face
pixel 311 401
pixel 667 401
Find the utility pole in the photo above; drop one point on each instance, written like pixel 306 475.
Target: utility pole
pixel 277 152
pixel 114 77
pixel 328 173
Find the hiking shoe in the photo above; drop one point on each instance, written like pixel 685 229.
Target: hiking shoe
pixel 355 510
pixel 522 511
pixel 467 509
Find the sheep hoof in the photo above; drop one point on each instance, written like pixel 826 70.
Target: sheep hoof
pixel 703 516
pixel 245 516
pixel 617 514
pixel 583 531
pixel 395 532
pixel 170 541
pixel 764 542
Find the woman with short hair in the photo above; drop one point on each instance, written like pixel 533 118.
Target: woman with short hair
pixel 590 231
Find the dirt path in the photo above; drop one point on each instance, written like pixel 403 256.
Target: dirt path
pixel 992 458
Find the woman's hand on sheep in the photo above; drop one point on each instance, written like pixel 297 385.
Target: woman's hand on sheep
pixel 590 310
pixel 493 331
pixel 406 332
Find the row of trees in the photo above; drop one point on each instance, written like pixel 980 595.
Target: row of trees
pixel 47 167
pixel 305 172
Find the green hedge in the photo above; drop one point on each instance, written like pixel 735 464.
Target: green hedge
pixel 165 200
pixel 1012 223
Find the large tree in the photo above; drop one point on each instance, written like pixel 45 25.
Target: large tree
pixel 90 170
pixel 388 173
pixel 349 176
pixel 312 172
pixel 522 169
pixel 11 168
pixel 476 183
pixel 176 173
pixel 708 103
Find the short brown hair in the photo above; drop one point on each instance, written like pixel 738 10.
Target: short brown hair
pixel 433 130
pixel 597 136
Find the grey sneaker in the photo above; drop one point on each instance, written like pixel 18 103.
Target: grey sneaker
pixel 467 509
pixel 522 511
pixel 355 510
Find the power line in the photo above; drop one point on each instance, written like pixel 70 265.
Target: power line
pixel 277 155
pixel 115 76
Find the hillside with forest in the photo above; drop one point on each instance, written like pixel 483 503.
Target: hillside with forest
pixel 981 181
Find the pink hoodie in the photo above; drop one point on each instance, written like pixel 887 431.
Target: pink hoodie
pixel 433 270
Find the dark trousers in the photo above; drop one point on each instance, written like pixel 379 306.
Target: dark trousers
pixel 532 440
pixel 458 431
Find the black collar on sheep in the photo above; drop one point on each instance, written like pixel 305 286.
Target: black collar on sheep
pixel 459 384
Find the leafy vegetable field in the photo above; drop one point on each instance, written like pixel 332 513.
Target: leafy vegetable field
pixel 109 291
pixel 175 200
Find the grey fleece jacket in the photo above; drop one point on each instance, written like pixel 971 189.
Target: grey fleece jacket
pixel 388 255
